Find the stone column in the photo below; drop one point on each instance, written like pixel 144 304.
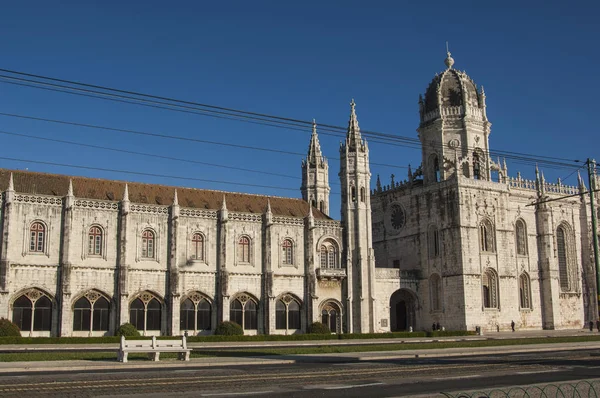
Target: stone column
pixel 122 288
pixel 222 275
pixel 173 291
pixel 267 272
pixel 65 266
pixel 310 278
pixel 9 196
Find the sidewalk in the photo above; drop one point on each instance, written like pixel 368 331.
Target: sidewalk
pixel 108 365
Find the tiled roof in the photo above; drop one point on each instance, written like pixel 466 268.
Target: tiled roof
pixel 94 188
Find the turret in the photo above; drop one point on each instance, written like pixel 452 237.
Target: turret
pixel 315 175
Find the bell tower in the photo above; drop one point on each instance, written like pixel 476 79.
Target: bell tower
pixel 454 129
pixel 315 175
pixel 355 178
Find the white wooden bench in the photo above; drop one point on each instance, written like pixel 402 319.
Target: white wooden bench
pixel 154 347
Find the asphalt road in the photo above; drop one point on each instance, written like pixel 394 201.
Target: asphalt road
pixel 388 378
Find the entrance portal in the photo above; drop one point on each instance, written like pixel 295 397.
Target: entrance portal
pixel 402 310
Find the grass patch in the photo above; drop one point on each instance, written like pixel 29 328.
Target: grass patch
pixel 323 349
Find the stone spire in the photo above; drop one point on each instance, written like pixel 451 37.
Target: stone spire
pixel 175 199
pixel 581 182
pixel 70 198
pixel 126 194
pixel 268 213
pixel 378 184
pixel 315 156
pixel 353 137
pixel 125 201
pixel 11 183
pixel 224 212
pixel 70 190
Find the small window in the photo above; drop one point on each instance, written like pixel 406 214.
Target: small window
pixel 148 242
pixel 433 237
pixel 396 264
pixel 198 246
pixel 322 207
pixel 486 236
pixel 244 249
pixel 362 195
pixel 38 237
pixel 287 252
pixel 521 237
pixel 353 191
pixel 490 289
pixel 436 169
pixel 329 255
pixel 524 291
pixel 95 241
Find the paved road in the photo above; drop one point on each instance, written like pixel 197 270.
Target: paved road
pixel 382 378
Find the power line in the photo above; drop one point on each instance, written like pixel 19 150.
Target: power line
pixel 407 141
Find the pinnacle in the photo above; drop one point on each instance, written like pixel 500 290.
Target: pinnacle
pixel 353 128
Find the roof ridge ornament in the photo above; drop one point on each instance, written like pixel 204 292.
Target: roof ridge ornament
pixel 449 61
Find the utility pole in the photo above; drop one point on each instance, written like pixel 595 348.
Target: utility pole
pixel 592 181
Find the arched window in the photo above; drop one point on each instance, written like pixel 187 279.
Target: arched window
pixel 287 313
pixel 195 313
pixel 362 194
pixel 521 237
pixel 477 166
pixel 330 316
pixel 37 241
pixel 490 289
pixel 243 311
pixel 95 241
pixel 148 244
pixel 145 312
pixel 329 255
pixel 322 206
pixel 433 238
pixel 486 236
pixel 524 291
pixel 197 246
pixel 32 311
pixel 436 169
pixel 435 288
pixel 91 313
pixel 244 249
pixel 287 249
pixel 562 252
pixel 353 191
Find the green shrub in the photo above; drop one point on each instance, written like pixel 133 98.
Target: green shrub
pixel 441 333
pixel 127 330
pixel 7 328
pixel 229 329
pixel 318 328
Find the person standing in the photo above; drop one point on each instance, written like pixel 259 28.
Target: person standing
pixel 512 325
pixel 591 326
pixel 598 325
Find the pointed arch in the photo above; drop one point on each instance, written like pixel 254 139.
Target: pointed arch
pixel 329 253
pixel 287 312
pixel 95 240
pixel 487 241
pixel 91 311
pixel 489 286
pixel 564 253
pixel 524 291
pixel 433 241
pixel 38 235
pixel 195 312
pixel 434 168
pixel 32 310
pixel 521 237
pixel 145 311
pixel 198 246
pixel 243 310
pixel 331 314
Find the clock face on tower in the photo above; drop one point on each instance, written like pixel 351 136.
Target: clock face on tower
pixel 397 217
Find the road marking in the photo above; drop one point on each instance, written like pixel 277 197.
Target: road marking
pixel 353 386
pixel 456 377
pixel 538 371
pixel 220 394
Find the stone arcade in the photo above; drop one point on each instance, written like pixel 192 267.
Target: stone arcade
pixel 455 243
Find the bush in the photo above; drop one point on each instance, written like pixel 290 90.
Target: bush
pixel 7 328
pixel 229 329
pixel 127 330
pixel 318 328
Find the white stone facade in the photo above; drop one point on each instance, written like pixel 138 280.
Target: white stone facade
pixel 457 244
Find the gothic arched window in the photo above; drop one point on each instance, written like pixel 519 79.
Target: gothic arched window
pixel 329 255
pixel 436 169
pixel 243 311
pixel 197 246
pixel 524 291
pixel 95 241
pixel 91 313
pixel 486 236
pixel 287 248
pixel 195 313
pixel 433 238
pixel 32 311
pixel 521 237
pixel 563 260
pixel 362 194
pixel 244 249
pixel 435 288
pixel 148 243
pixel 490 289
pixel 287 313
pixel 145 312
pixel 37 241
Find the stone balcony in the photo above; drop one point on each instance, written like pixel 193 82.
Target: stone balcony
pixel 331 273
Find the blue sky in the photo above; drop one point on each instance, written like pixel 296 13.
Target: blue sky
pixel 304 60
